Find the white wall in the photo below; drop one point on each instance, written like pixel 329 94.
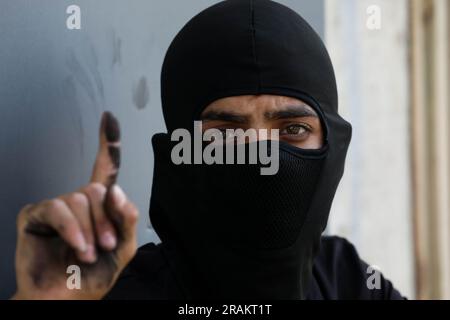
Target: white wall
pixel 373 204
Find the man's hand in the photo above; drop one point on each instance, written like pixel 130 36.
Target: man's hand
pixel 93 228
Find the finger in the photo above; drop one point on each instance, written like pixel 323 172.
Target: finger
pixel 57 216
pixel 124 216
pixel 107 163
pixel 79 204
pixel 104 229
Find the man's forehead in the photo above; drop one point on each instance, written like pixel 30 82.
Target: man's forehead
pixel 256 103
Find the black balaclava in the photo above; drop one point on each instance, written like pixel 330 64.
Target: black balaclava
pixel 227 231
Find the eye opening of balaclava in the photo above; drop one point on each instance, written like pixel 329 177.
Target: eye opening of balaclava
pixel 229 232
pixel 310 101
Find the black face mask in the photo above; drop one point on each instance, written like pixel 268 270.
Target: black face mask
pixel 235 231
pixel 228 231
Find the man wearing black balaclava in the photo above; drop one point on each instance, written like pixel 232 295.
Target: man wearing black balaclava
pixel 227 231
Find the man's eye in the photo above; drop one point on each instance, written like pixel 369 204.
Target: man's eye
pixel 296 130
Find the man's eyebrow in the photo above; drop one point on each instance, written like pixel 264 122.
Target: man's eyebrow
pixel 223 116
pixel 294 111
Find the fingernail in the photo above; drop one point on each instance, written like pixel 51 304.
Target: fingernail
pixel 81 242
pixel 90 253
pixel 119 195
pixel 112 128
pixel 108 240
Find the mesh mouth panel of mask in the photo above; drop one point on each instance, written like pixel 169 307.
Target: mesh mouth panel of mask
pixel 250 210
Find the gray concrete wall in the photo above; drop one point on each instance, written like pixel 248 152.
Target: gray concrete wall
pixel 55 82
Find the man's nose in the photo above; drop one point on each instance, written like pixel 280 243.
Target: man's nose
pixel 264 131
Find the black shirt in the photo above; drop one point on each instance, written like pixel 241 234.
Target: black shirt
pixel 338 273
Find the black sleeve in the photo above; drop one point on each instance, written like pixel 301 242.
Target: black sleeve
pixel 147 277
pixel 339 273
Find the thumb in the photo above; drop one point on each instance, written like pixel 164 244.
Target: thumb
pixel 107 162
